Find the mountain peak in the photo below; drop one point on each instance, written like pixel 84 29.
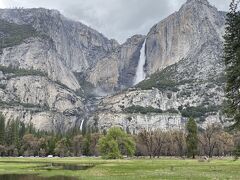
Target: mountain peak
pixel 199 4
pixel 198 1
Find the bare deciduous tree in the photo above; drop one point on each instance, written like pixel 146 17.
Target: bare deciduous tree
pixel 147 139
pixel 159 138
pixel 209 139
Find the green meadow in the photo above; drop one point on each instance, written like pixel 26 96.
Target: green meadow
pixel 146 169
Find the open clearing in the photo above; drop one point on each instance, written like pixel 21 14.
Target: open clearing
pixel 95 168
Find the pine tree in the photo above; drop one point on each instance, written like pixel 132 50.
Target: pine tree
pixel 192 139
pixel 86 145
pixel 51 144
pixel 2 129
pixel 13 133
pixel 7 133
pixel 232 62
pixel 22 129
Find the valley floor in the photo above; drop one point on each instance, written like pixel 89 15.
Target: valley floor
pixel 164 168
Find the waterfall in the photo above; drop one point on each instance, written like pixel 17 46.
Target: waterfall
pixel 140 74
pixel 81 126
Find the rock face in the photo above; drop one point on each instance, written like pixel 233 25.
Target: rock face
pixel 135 123
pixel 49 62
pixel 185 69
pixel 175 108
pixel 117 70
pixel 183 33
pixel 39 54
pixel 38 84
pixel 106 64
pixel 79 46
pixel 38 100
pixel 44 77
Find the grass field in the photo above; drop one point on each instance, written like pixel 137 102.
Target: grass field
pixel 126 169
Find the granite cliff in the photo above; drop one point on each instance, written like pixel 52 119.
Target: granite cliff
pixel 50 67
pixel 185 74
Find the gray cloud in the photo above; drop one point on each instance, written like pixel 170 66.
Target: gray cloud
pixel 117 19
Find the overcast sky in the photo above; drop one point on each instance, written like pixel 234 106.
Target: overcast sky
pixel 118 19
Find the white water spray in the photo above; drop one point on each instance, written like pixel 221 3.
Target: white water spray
pixel 140 74
pixel 81 126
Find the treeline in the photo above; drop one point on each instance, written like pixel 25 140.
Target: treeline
pixel 12 34
pixel 20 72
pixel 213 141
pixel 18 139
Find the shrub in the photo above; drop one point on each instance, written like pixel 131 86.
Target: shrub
pixel 25 105
pixel 13 34
pixel 161 80
pixel 172 111
pixel 198 111
pixel 21 72
pixel 116 144
pixel 142 110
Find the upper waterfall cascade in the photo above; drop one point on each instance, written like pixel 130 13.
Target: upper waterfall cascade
pixel 140 73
